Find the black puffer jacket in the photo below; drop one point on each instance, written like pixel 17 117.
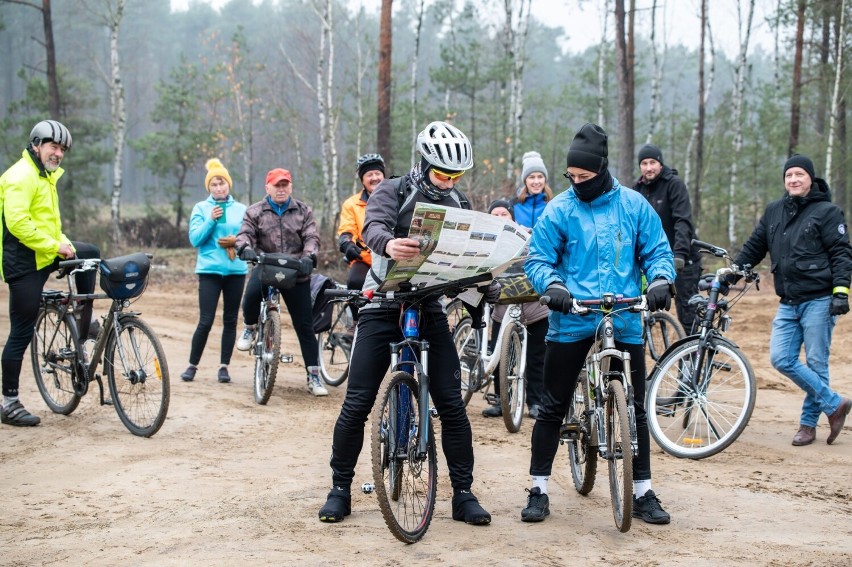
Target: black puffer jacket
pixel 808 243
pixel 669 197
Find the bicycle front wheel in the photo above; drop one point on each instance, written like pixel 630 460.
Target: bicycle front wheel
pixel 53 350
pixel 335 346
pixel 694 412
pixel 266 356
pixel 619 455
pixel 661 331
pixel 405 479
pixel 578 435
pixel 138 377
pixel 512 380
pixel 466 341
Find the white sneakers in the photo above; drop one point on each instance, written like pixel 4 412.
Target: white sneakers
pixel 246 338
pixel 315 385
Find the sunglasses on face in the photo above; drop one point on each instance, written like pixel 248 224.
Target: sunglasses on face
pixel 443 176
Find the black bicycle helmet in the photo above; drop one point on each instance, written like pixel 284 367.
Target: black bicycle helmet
pixel 50 131
pixel 367 160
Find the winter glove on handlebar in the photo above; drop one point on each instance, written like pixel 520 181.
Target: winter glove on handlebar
pixel 352 252
pixel 839 304
pixel 727 281
pixel 560 297
pixel 491 291
pixel 248 255
pixel 306 266
pixel 659 295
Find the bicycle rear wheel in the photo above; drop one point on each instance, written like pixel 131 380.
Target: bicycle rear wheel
pixel 619 455
pixel 577 433
pixel 406 483
pixel 466 340
pixel 699 421
pixel 335 346
pixel 661 331
pixel 138 376
pixel 512 380
pixel 266 356
pixel 53 351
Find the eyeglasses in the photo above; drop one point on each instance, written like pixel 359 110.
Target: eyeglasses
pixel 443 176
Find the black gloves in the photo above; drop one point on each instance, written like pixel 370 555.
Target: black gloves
pixel 839 304
pixel 248 255
pixel 560 297
pixel 351 251
pixel 306 266
pixel 659 295
pixel 727 281
pixel 491 291
pixel 679 263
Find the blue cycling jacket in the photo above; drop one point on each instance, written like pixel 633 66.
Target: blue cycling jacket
pixel 596 248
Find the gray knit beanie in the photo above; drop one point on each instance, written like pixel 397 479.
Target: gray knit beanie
pixel 532 163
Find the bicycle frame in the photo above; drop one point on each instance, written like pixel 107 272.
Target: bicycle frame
pixel 269 302
pixel 490 362
pixel 404 357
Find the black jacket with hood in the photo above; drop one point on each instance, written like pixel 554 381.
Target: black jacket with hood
pixel 808 244
pixel 668 196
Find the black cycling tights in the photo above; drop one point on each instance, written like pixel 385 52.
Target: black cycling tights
pixel 562 365
pixel 24 299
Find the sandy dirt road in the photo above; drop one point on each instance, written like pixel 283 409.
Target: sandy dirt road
pixel 226 481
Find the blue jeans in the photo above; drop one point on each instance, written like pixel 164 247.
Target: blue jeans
pixel 810 324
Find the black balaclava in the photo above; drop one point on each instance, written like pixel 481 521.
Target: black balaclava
pixel 589 151
pixel 420 177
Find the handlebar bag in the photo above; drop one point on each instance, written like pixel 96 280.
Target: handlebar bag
pixel 125 277
pixel 279 270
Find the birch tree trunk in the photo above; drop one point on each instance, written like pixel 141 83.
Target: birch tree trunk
pixel 417 31
pixel 624 56
pixel 119 122
pixel 796 96
pixel 515 46
pixel 835 99
pixel 657 77
pixel 739 94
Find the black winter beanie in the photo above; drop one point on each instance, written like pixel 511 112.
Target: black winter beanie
pixel 650 151
pixel 588 150
pixel 799 160
pixel 502 203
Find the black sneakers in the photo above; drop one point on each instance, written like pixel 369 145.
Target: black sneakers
pixel 466 508
pixel 538 506
pixel 17 415
pixel 223 375
pixel 648 509
pixel 337 506
pixel 493 411
pixel 188 375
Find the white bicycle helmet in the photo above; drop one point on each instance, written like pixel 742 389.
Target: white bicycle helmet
pixel 50 131
pixel 445 147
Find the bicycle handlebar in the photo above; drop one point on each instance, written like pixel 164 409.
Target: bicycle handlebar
pixel 586 306
pixel 370 296
pixel 710 248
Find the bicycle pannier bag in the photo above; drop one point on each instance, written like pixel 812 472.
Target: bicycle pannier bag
pixel 279 270
pixel 515 288
pixel 125 277
pixel 323 308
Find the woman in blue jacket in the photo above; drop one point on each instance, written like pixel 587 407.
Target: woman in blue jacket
pixel 534 193
pixel 596 238
pixel 213 226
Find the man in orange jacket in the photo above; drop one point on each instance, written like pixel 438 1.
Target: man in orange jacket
pixel 371 171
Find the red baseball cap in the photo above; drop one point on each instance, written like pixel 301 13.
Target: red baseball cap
pixel 276 175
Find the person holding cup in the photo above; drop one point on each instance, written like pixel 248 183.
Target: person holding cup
pixel 213 227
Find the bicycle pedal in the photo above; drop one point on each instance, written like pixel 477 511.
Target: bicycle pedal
pixel 722 366
pixel 286 358
pixel 433 412
pixel 569 432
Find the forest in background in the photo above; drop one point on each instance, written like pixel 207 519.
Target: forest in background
pixel 150 94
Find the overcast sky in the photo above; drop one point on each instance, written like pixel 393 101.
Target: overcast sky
pixel 677 20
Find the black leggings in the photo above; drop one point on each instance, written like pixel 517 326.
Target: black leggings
pixel 562 365
pixel 298 302
pixel 367 367
pixel 210 286
pixel 24 300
